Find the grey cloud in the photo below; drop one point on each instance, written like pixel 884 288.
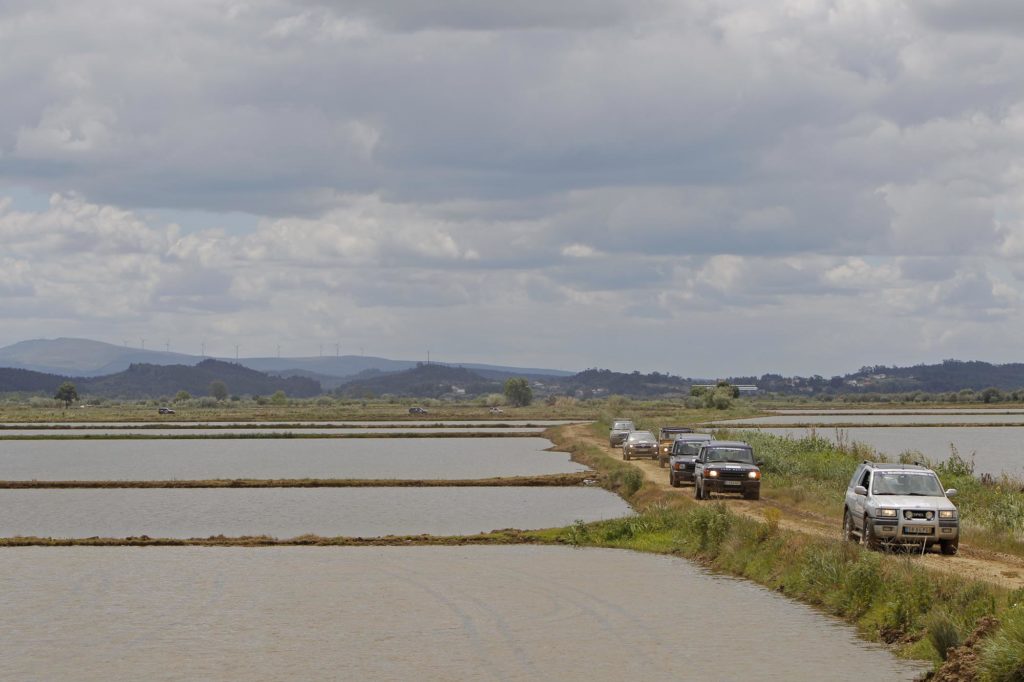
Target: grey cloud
pixel 1003 16
pixel 410 15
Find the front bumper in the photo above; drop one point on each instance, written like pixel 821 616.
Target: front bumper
pixel 718 485
pixel 915 531
pixel 642 452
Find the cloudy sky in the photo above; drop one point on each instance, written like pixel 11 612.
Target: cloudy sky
pixel 701 188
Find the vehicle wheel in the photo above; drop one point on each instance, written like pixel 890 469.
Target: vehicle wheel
pixel 871 541
pixel 696 490
pixel 625 456
pixel 752 496
pixel 661 463
pixel 848 531
pixel 949 547
pixel 705 494
pixel 674 481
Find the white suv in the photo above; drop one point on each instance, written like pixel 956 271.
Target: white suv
pixel 900 504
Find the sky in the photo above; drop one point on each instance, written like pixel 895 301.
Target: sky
pixel 714 188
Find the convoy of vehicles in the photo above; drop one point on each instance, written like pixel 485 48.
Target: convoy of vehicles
pixel 640 444
pixel 886 504
pixel 900 504
pixel 684 451
pixel 666 436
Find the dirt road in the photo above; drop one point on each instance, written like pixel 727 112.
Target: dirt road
pixel 992 567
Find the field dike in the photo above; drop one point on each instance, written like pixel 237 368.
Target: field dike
pixel 272 435
pixel 968 629
pixel 548 480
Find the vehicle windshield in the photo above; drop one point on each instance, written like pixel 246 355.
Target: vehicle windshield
pixel 902 483
pixel 687 447
pixel 641 435
pixel 741 455
pixel 623 426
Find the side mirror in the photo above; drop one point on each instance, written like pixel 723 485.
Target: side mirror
pixel 951 492
pixel 860 490
pixel 759 462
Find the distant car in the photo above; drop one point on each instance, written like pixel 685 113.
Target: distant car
pixel 666 435
pixel 417 410
pixel 726 466
pixel 620 429
pixel 900 504
pixel 497 410
pixel 684 452
pixel 640 444
pixel 165 410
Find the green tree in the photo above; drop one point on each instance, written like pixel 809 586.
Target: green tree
pixel 67 393
pixel 279 398
pixel 182 396
pixel 518 392
pixel 219 390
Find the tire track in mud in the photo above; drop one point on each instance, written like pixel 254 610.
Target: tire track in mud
pixel 992 567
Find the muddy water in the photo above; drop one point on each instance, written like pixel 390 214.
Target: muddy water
pixel 407 613
pixel 157 460
pixel 996 449
pixel 290 512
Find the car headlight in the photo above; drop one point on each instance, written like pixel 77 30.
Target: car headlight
pixel 712 473
pixel 887 513
pixel 677 466
pixel 754 474
pixel 947 513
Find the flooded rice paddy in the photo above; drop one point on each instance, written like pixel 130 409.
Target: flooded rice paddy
pixel 403 613
pixel 364 458
pixel 286 513
pixel 996 449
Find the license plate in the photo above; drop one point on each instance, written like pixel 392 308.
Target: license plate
pixel 733 483
pixel 916 530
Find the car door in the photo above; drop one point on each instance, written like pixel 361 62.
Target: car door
pixel 858 502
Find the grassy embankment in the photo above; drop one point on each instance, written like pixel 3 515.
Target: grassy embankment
pixel 888 596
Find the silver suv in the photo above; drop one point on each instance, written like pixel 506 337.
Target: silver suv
pixel 900 504
pixel 620 429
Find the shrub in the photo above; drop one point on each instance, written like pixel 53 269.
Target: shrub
pixel 942 633
pixel 1002 656
pixel 709 524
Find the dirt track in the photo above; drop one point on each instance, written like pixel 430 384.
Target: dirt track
pixel 1000 569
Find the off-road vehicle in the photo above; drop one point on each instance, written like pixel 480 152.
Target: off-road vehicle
pixel 620 429
pixel 640 444
pixel 666 435
pixel 888 504
pixel 685 449
pixel 726 466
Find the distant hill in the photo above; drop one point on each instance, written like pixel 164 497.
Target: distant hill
pixel 423 381
pixel 603 382
pixel 140 381
pixel 949 375
pixel 152 381
pixel 27 381
pixel 84 358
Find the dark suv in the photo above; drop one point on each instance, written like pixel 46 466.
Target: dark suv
pixel 727 466
pixel 684 452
